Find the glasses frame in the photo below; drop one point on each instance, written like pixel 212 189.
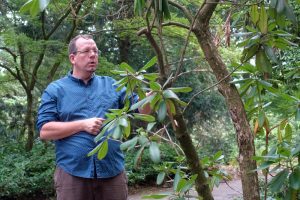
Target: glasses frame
pixel 86 52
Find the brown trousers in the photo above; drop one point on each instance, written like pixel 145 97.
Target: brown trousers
pixel 70 187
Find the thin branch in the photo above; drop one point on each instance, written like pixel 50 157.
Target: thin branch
pixel 186 12
pixel 10 52
pixel 171 23
pixel 185 46
pixel 208 88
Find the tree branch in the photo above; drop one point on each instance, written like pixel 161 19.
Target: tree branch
pixel 185 11
pixel 10 52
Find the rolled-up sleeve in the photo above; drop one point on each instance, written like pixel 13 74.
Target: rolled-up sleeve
pixel 47 111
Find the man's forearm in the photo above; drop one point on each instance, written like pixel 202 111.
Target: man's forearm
pixel 59 130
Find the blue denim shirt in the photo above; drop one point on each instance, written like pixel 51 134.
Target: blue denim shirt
pixel 70 99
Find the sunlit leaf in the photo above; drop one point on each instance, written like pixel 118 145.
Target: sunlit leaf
pixel 127 67
pixel 103 150
pixel 149 64
pixel 263 20
pixel 155 196
pixel 144 117
pixel 181 89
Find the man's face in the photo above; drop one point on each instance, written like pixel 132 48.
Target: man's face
pixel 85 60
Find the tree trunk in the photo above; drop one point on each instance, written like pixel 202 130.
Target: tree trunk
pixel 29 122
pixel 184 138
pixel 245 138
pixel 124 46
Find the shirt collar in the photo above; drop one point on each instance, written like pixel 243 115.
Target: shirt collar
pixel 78 80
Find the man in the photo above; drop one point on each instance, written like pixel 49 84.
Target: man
pixel 71 113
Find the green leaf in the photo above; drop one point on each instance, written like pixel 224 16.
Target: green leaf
pixel 249 52
pixel 263 20
pixel 117 134
pixel 262 62
pixel 189 184
pixel 154 152
pixel 130 144
pixel 127 130
pixel 182 182
pixel 149 64
pixel 176 179
pixel 265 165
pixel 277 182
pixel 150 126
pixel 103 150
pixel 141 103
pixel 143 140
pixel 254 14
pixel 162 111
pixel 165 9
pixel 181 89
pixel 123 122
pixel 294 179
pixel 157 97
pixel 171 106
pixel 160 178
pixel 155 196
pixel 127 67
pixel 261 118
pixel 270 53
pixel 138 7
pixel 95 150
pixel 151 76
pixel 31 6
pixel 169 94
pixel 144 117
pixel 155 86
pixel 288 133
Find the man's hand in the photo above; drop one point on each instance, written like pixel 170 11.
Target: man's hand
pixel 93 125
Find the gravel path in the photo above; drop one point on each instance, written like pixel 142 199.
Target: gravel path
pixel 230 191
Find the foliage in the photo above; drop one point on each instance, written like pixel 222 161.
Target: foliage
pixel 26 174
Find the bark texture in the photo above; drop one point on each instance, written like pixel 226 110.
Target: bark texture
pixel 245 138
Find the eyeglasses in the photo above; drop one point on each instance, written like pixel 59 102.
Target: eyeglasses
pixel 88 51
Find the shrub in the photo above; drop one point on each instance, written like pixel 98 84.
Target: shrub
pixel 26 174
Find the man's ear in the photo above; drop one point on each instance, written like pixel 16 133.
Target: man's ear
pixel 71 58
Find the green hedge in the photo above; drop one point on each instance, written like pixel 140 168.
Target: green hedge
pixel 26 175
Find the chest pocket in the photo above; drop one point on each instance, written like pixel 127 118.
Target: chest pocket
pixel 109 102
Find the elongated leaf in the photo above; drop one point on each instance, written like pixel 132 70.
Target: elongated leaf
pixel 117 134
pixel 181 89
pixel 277 182
pixel 263 20
pixel 162 111
pixel 294 179
pixel 169 94
pixel 129 144
pixel 261 118
pixel 155 196
pixel 254 14
pixel 182 183
pixel 288 133
pixel 141 103
pixel 154 152
pixel 144 117
pixel 155 86
pixel 149 64
pixel 150 126
pixel 123 122
pixel 157 98
pixel 171 106
pixel 165 8
pixel 95 150
pixel 103 150
pixel 127 67
pixel 189 184
pixel 127 130
pixel 160 178
pixel 176 179
pixel 151 77
pixel 139 6
pixel 143 140
pixel 262 62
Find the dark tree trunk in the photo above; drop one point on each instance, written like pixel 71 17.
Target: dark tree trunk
pixel 245 138
pixel 124 46
pixel 29 122
pixel 185 140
